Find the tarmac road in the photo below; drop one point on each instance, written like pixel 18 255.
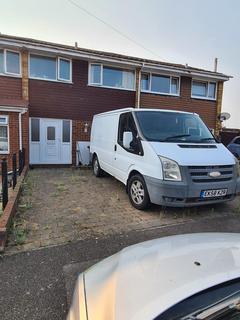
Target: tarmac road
pixel 32 284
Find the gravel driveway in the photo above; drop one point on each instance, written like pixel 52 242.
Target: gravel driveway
pixel 65 204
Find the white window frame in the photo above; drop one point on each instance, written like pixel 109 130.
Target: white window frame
pixel 66 143
pixel 164 75
pixel 92 84
pixel 5 72
pixel 57 79
pixel 58 69
pixel 6 124
pixel 30 130
pixel 208 82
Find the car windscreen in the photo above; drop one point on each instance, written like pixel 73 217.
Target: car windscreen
pixel 173 127
pixel 206 302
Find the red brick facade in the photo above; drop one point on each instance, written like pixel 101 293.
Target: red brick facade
pixel 205 108
pixel 13 118
pixel 79 102
pixel 10 88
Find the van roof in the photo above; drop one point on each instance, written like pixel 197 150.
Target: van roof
pixel 140 109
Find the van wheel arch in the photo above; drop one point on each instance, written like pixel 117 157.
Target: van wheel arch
pixel 97 170
pixel 132 173
pixel 137 191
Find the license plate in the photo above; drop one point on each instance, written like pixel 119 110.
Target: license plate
pixel 213 193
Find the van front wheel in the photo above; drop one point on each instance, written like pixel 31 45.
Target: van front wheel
pixel 96 167
pixel 138 193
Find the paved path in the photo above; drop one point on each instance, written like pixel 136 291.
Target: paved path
pixel 33 283
pixel 63 205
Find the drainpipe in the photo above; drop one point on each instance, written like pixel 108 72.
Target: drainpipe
pixel 20 128
pixel 138 87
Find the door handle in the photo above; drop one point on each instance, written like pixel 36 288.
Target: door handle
pixel 115 147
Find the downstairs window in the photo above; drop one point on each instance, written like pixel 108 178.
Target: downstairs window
pixel 4 136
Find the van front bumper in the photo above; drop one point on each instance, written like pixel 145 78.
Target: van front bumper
pixel 187 193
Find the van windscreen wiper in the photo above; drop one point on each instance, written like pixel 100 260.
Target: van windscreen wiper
pixel 223 310
pixel 177 136
pixel 205 139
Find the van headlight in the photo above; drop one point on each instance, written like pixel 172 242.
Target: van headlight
pixel 171 170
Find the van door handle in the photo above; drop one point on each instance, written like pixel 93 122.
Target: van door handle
pixel 115 147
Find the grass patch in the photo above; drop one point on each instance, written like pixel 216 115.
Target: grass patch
pixel 62 188
pixel 19 231
pixel 237 210
pixel 25 206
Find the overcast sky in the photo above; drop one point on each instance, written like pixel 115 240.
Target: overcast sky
pixel 182 31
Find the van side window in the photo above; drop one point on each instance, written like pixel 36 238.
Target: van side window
pixel 126 123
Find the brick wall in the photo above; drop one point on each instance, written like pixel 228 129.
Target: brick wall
pixel 205 108
pixel 79 134
pixel 76 101
pixel 14 137
pixel 10 88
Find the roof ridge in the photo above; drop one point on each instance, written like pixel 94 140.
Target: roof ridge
pixel 106 53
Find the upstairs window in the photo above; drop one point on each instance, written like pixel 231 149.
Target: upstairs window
pixel 111 77
pixel 204 89
pixel 1 61
pixel 64 69
pixel 9 62
pixel 50 68
pixel 161 84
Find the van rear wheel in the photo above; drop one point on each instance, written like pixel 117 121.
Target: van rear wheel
pixel 138 193
pixel 98 172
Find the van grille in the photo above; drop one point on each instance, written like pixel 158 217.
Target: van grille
pixel 198 146
pixel 200 174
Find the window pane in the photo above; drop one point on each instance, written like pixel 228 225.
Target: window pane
pixel 50 133
pixel 12 62
pixel 4 119
pixel 112 77
pixel 199 89
pixel 128 79
pixel 212 90
pixel 126 123
pixel 160 84
pixel 3 138
pixel 35 132
pixel 64 69
pixel 66 131
pixel 95 73
pixel 1 61
pixel 174 85
pixel 43 67
pixel 145 81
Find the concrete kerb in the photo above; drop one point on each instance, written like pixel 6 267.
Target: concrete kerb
pixel 10 210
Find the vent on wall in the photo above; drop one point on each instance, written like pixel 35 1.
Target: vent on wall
pixel 198 146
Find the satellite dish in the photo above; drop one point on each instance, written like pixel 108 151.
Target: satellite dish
pixel 224 116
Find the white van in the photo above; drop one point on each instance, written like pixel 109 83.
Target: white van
pixel 164 157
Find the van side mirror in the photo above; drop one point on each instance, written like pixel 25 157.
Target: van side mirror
pixel 127 139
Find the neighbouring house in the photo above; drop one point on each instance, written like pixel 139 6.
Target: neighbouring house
pixel 49 93
pixel 227 135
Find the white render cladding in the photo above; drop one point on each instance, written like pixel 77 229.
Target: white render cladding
pixel 146 65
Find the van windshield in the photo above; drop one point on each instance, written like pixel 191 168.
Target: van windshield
pixel 173 127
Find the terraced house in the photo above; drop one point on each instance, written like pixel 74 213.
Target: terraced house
pixel 49 93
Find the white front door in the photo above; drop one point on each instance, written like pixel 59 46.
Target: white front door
pixel 50 141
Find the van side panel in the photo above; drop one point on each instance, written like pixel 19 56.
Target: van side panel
pixel 103 135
